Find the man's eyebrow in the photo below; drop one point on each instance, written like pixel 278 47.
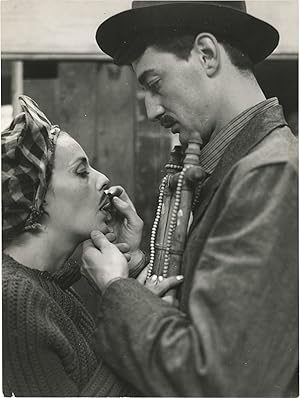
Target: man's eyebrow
pixel 143 77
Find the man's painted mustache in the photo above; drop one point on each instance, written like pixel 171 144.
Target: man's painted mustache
pixel 167 121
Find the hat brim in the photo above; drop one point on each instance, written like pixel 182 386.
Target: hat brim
pixel 255 37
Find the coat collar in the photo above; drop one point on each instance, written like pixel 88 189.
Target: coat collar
pixel 253 133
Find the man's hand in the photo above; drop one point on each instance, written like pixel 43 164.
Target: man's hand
pixel 102 261
pixel 126 224
pixel 123 247
pixel 160 286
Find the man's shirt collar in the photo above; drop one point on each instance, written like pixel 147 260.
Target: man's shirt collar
pixel 212 152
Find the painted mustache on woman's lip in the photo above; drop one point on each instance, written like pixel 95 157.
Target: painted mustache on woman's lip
pixel 167 121
pixel 105 201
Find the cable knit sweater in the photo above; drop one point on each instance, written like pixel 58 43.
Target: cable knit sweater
pixel 47 337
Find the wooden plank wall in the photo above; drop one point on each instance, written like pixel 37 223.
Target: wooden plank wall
pixel 77 98
pixel 115 125
pixel 153 146
pixel 95 103
pixel 45 93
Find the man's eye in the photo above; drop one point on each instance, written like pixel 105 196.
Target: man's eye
pixel 155 85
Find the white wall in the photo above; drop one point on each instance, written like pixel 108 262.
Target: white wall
pixel 283 15
pixel 68 26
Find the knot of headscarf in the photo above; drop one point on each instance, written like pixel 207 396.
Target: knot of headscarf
pixel 27 160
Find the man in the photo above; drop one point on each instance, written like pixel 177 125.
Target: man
pixel 236 330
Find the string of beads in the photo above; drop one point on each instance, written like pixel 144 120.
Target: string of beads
pixel 173 166
pixel 156 223
pixel 173 221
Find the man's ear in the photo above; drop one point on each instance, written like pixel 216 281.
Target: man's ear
pixel 207 48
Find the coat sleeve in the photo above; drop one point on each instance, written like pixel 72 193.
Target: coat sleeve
pixel 240 336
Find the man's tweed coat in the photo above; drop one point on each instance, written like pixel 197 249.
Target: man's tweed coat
pixel 236 331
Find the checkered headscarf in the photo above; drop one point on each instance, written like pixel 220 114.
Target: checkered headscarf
pixel 27 160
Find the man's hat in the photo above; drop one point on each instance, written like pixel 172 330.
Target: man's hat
pixel 227 20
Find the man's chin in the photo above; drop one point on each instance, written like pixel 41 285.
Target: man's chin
pixel 183 144
pixel 183 139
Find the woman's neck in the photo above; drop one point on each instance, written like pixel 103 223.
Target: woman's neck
pixel 45 251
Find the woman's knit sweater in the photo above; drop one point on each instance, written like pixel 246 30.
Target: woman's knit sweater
pixel 47 337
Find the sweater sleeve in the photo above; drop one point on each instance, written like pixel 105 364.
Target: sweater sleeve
pixel 36 357
pixel 240 338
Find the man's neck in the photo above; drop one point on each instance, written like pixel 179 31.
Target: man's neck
pixel 44 251
pixel 240 94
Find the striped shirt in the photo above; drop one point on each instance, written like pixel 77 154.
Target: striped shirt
pixel 212 152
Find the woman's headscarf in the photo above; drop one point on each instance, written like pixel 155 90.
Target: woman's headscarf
pixel 27 160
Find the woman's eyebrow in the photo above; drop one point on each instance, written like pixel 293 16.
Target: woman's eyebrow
pixel 81 159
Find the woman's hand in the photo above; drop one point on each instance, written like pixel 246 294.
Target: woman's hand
pixel 102 261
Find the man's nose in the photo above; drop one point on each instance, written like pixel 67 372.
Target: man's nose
pixel 153 106
pixel 101 181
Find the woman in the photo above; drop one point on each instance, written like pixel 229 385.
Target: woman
pixel 52 199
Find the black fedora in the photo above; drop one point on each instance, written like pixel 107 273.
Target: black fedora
pixel 226 19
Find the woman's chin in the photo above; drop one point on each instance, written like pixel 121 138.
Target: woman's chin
pixel 99 226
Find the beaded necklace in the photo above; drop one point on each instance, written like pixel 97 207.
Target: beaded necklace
pixel 174 216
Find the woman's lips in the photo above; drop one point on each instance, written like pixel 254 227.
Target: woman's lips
pixel 104 201
pixel 106 207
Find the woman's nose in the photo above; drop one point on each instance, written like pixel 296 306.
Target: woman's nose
pixel 153 106
pixel 101 181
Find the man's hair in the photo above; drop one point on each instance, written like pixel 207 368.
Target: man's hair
pixel 181 45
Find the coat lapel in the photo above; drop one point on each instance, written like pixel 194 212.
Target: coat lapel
pixel 253 133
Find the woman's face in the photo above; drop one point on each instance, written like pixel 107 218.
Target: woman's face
pixel 75 192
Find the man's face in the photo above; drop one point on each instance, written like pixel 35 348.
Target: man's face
pixel 177 92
